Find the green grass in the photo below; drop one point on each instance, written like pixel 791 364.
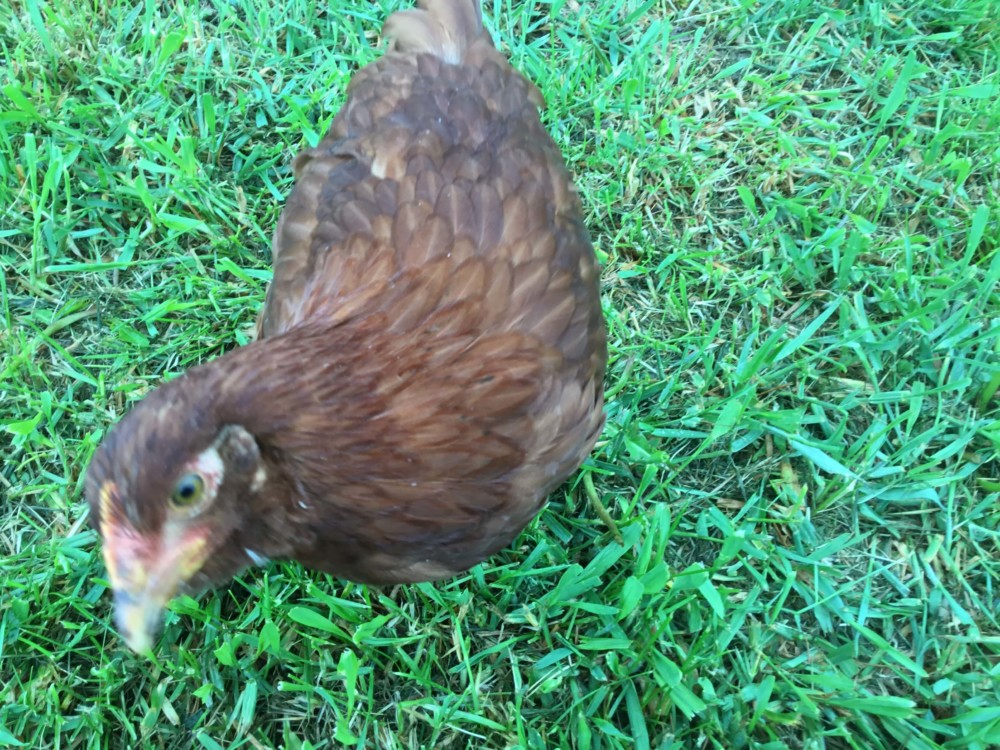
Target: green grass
pixel 797 206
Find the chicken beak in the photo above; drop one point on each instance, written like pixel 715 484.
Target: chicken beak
pixel 146 572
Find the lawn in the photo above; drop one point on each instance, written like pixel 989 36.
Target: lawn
pixel 796 204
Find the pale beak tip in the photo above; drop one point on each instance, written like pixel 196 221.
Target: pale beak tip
pixel 140 643
pixel 137 624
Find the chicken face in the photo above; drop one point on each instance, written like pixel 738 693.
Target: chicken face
pixel 160 528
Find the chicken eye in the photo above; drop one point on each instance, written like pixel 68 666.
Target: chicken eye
pixel 188 491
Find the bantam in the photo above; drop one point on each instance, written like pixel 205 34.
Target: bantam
pixel 429 360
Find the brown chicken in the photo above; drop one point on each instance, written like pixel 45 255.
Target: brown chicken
pixel 430 356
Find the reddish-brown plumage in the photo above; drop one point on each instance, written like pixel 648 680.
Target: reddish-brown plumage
pixel 430 356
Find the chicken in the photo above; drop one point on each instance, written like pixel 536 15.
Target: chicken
pixel 429 361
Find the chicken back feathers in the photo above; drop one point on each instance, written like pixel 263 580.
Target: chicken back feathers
pixel 439 207
pixel 431 351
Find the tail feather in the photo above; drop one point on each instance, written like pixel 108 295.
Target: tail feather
pixel 445 28
pixel 452 30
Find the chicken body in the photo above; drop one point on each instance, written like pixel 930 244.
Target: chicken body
pixel 430 356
